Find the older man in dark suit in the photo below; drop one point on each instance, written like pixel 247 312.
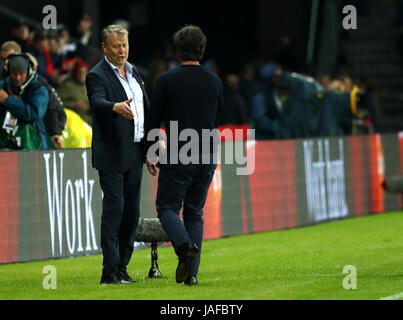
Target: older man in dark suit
pixel 118 103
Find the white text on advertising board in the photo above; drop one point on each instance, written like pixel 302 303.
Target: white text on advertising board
pixel 64 204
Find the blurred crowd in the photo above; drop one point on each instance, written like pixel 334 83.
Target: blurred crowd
pixel 279 100
pixel 268 96
pixel 63 62
pixel 280 103
pixel 53 66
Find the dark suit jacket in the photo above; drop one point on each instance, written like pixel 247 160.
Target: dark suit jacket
pixel 112 141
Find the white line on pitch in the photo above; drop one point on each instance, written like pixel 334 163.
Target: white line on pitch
pixel 394 297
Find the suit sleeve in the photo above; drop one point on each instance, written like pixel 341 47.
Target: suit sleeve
pixel 96 92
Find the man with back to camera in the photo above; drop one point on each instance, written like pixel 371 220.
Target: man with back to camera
pixel 192 96
pixel 118 103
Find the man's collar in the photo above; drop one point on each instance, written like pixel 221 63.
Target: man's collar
pixel 128 66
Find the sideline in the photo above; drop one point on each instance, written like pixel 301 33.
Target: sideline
pixel 394 297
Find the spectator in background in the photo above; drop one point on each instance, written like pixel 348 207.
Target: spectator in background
pixel 21 35
pixel 266 104
pixel 235 110
pixel 68 48
pixel 39 49
pixel 55 48
pixel 324 80
pixel 24 101
pixel 56 57
pixel 341 83
pixel 84 34
pixel 337 85
pixel 55 116
pixel 73 92
pixel 248 85
pixel 87 46
pixel 310 111
pixel 348 82
pixel 7 48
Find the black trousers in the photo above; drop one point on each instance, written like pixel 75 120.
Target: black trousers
pixel 120 216
pixel 185 185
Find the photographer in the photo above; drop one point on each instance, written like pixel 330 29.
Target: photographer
pixel 23 104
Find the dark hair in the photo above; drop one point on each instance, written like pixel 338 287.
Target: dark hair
pixel 190 43
pixel 40 35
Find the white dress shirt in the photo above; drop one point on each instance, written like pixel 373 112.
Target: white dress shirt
pixel 133 90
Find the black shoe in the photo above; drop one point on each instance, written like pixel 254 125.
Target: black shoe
pixel 191 281
pixel 186 254
pixel 112 278
pixel 125 276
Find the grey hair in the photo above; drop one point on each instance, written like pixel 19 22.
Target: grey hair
pixel 113 28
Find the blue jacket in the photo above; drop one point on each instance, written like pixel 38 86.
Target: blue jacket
pixel 30 106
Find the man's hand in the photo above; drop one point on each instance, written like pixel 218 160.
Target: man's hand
pixel 57 141
pixel 3 96
pixel 152 168
pixel 123 108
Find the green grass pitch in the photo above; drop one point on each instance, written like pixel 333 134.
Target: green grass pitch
pixel 304 263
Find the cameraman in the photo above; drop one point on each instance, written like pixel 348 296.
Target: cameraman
pixel 23 104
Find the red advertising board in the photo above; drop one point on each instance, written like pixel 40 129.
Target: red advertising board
pixel 8 206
